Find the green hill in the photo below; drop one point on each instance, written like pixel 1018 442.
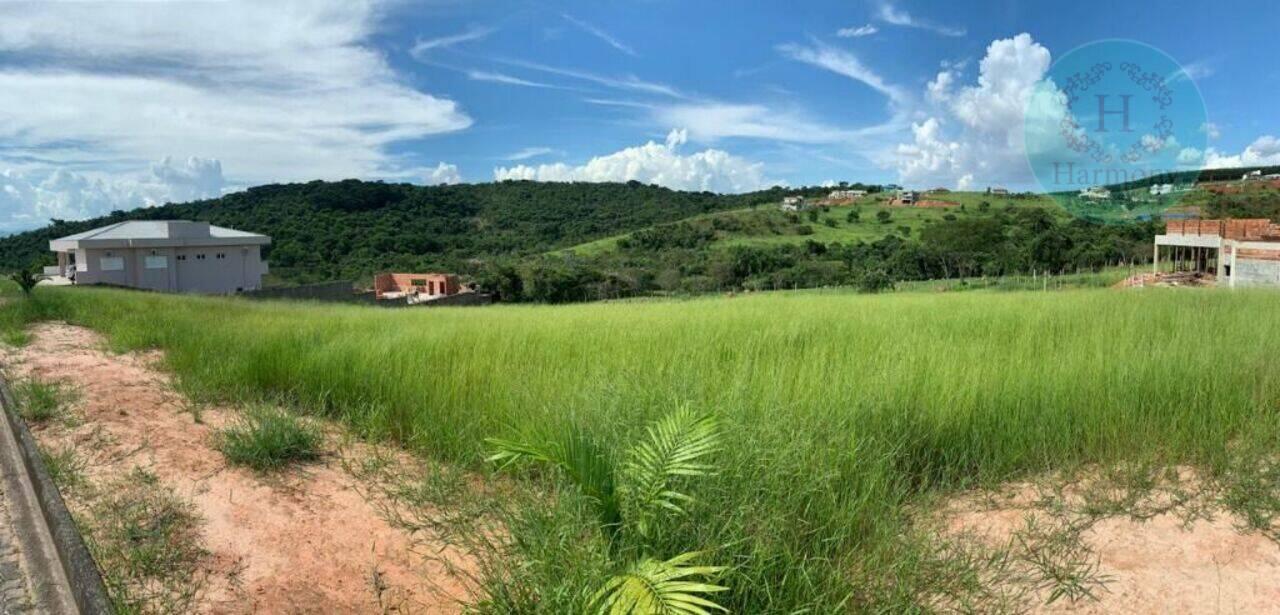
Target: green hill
pixel 769 226
pixel 347 229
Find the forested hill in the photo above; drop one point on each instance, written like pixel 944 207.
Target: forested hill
pixel 334 230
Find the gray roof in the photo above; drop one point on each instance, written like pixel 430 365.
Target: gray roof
pixel 157 233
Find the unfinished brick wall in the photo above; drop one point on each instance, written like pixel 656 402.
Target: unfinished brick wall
pixel 423 283
pixel 1244 229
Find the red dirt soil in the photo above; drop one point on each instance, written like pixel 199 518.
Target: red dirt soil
pixel 1165 564
pixel 304 541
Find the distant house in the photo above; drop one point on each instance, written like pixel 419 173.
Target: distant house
pixel 840 195
pixel 415 287
pixel 1253 175
pixel 999 191
pixel 164 255
pixel 908 197
pixel 1095 193
pixel 1161 189
pixel 793 203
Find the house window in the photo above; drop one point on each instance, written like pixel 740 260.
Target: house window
pixel 181 257
pixel 200 257
pixel 418 282
pixel 220 255
pixel 157 262
pixel 111 263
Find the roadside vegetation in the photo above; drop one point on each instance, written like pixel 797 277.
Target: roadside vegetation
pixel 267 438
pixel 838 417
pixel 42 402
pixel 145 539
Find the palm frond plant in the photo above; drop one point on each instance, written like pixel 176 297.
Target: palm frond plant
pixel 26 280
pixel 653 586
pixel 631 498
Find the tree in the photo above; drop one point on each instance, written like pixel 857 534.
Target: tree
pixel 26 280
pixel 884 217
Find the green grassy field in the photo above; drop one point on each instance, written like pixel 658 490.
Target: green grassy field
pixel 840 413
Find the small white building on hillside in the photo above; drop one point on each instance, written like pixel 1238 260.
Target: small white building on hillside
pixel 793 203
pixel 846 194
pixel 164 255
pixel 1095 193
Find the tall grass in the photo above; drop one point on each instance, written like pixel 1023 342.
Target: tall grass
pixel 837 411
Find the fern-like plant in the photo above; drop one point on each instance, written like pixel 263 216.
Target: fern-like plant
pixel 633 496
pixel 674 446
pixel 661 588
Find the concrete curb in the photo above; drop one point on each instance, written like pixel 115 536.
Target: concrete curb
pixel 67 578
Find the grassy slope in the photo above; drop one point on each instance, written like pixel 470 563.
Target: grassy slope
pixel 867 229
pixel 839 409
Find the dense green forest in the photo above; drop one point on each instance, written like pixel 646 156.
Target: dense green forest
pixel 352 229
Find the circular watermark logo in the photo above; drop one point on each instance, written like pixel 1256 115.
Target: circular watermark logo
pixel 1116 130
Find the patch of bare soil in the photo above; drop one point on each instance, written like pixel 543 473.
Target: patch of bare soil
pixel 301 541
pixel 1178 279
pixel 1105 547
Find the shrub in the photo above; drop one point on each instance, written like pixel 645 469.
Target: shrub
pixel 268 438
pixel 874 281
pixel 884 217
pixel 25 279
pixel 40 402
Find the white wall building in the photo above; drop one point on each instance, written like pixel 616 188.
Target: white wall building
pixel 164 255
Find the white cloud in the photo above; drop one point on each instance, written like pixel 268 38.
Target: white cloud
pixel 626 82
pixel 276 91
pixel 30 199
pixel 503 78
pixel 196 178
pixel 420 48
pixel 1264 151
pixel 976 132
pixel 843 63
pixel 1190 157
pixel 1211 131
pixel 713 120
pixel 939 90
pixel 898 17
pixel 857 32
pixel 655 163
pixel 531 152
pixel 609 39
pixel 1196 71
pixel 443 174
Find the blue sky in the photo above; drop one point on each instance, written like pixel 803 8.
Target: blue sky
pixel 118 105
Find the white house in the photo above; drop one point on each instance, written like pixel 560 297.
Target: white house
pixel 1095 192
pixel 1160 189
pixel 792 203
pixel 164 255
pixel 846 194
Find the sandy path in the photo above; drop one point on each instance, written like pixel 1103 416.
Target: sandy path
pixel 1169 563
pixel 302 542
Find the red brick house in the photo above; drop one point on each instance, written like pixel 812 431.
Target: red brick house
pixel 402 285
